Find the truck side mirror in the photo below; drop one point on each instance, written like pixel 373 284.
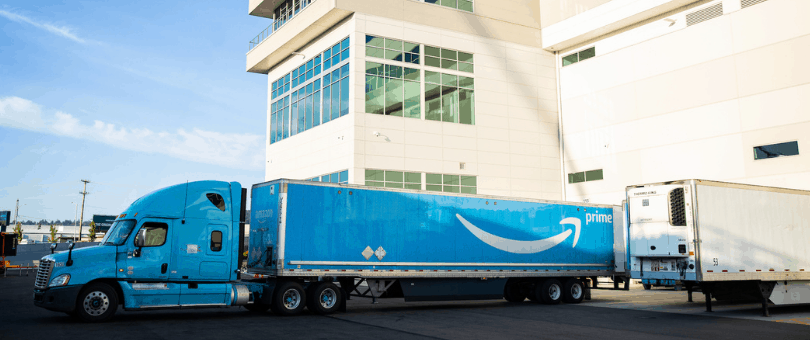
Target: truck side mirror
pixel 53 247
pixel 71 245
pixel 139 242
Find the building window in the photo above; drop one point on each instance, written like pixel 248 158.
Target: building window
pixel 394 179
pixel 579 56
pixel 449 98
pixel 451 183
pixel 319 93
pixel 448 59
pixel 340 177
pixel 585 176
pixel 776 150
pixel 393 90
pixel 392 49
pixel 464 5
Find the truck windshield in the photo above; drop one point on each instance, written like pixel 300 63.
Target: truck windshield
pixel 118 233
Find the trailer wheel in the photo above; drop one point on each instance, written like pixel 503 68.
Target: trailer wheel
pixel 549 292
pixel 647 286
pixel 514 292
pixel 288 299
pixel 573 291
pixel 96 303
pixel 324 298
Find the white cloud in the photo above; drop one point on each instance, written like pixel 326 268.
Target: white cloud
pixel 63 31
pixel 234 150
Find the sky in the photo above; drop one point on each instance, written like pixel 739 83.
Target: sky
pixel 130 95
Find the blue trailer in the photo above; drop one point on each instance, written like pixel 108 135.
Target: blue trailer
pixel 312 244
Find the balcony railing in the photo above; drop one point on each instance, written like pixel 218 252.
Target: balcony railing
pixel 282 14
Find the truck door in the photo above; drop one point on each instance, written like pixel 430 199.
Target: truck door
pixel 150 264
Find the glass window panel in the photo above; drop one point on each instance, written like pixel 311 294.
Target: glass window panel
pixel 316 84
pixel 450 179
pixel 393 44
pixel 309 75
pixel 411 47
pixel 469 181
pixel 327 54
pixel 433 77
pixel 467 190
pixel 449 80
pixel 294 120
pixel 412 100
pixel 344 176
pixel 433 187
pixel 317 70
pixel 449 3
pixel 344 44
pixel 393 185
pixel 433 62
pixel 295 82
pixel 373 68
pixel 393 176
pixel 413 186
pixel 295 73
pixel 432 1
pixel 412 58
pixel 327 79
pixel 309 112
pixel 325 178
pixel 344 70
pixel 318 60
pixel 412 177
pixel 411 74
pixel 285 123
pixel 301 70
pixel 374 41
pixel 344 96
pixel 273 127
pixel 393 71
pixel 309 64
pixel 449 104
pixel 776 150
pixel 433 179
pixel 465 5
pixel 375 175
pixel 466 82
pixel 375 184
pixel 344 55
pixel 335 101
pixel 316 108
pixel 569 59
pixel 335 75
pixel 451 188
pixel 576 177
pixel 336 50
pixel 302 115
pixel 587 53
pixel 449 54
pixel 466 107
pixel 327 104
pixel 327 64
pixel 432 51
pixel 466 67
pixel 393 55
pixel 593 175
pixel 309 89
pixel 393 96
pixel 433 102
pixel 449 64
pixel 374 94
pixel 334 178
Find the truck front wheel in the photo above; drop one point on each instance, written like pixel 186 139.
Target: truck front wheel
pixel 324 298
pixel 288 298
pixel 96 303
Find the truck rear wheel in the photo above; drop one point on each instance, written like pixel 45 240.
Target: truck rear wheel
pixel 513 291
pixel 549 291
pixel 573 291
pixel 288 298
pixel 647 286
pixel 97 302
pixel 324 298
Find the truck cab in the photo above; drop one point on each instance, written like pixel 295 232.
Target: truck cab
pixel 175 247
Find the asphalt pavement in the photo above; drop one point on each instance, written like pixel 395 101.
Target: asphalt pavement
pixel 391 319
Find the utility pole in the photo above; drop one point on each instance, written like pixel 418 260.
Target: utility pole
pixel 17 211
pixel 81 219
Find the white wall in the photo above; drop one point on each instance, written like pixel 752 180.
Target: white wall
pixel 692 103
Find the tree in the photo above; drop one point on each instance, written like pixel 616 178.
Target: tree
pixel 53 234
pixel 18 231
pixel 92 233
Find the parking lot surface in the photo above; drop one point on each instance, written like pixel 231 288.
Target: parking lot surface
pixel 634 314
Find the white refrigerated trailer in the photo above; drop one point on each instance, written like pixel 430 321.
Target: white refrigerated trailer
pixel 734 241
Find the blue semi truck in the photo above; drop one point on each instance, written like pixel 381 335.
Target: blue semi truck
pixel 313 244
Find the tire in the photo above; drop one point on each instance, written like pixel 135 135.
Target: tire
pixel 288 299
pixel 573 291
pixel 97 302
pixel 677 288
pixel 257 307
pixel 324 298
pixel 513 291
pixel 549 292
pixel 647 286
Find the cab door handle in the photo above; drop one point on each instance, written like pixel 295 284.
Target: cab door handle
pixel 163 268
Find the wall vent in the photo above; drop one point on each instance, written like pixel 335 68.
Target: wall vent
pixel 702 15
pixel 749 3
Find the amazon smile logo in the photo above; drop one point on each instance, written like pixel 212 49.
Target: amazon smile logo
pixel 524 247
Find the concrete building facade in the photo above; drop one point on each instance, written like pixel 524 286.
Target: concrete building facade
pixel 549 99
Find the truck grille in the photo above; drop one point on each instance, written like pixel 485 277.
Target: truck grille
pixel 43 274
pixel 677 208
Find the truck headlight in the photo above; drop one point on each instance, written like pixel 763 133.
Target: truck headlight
pixel 60 280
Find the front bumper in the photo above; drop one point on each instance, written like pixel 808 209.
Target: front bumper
pixel 60 299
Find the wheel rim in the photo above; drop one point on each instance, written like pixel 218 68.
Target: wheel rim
pixel 554 292
pixel 96 303
pixel 328 298
pixel 576 291
pixel 291 298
